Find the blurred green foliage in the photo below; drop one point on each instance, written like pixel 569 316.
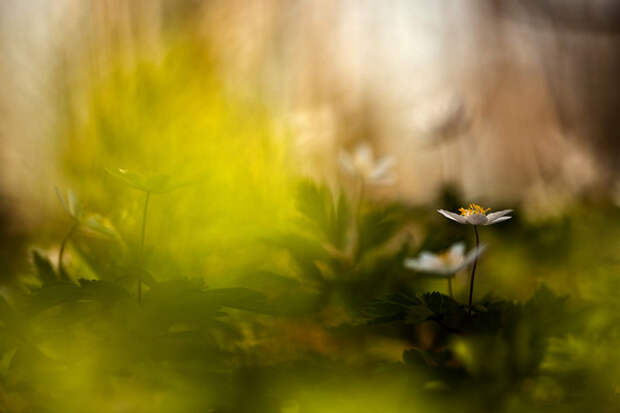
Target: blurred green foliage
pixel 266 292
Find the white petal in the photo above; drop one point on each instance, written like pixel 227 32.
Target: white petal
pixel 426 261
pixel 382 169
pixel 477 219
pixel 458 248
pixel 427 266
pixel 363 154
pixel 471 257
pixel 430 260
pixel 494 215
pixel 501 219
pixel 418 265
pixel 412 263
pixel 454 217
pixel 456 253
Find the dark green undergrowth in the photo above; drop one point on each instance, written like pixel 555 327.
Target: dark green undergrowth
pixel 331 321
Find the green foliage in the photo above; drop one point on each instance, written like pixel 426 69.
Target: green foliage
pixel 262 292
pixel 297 333
pixel 344 254
pixel 298 336
pixel 81 218
pixel 156 184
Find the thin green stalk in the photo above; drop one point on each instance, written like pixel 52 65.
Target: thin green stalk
pixel 357 246
pixel 473 271
pixel 144 212
pixel 360 199
pixel 63 244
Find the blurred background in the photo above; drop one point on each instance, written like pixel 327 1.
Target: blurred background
pixel 506 103
pixel 506 99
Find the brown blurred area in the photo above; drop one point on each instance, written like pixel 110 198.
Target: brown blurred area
pixel 510 100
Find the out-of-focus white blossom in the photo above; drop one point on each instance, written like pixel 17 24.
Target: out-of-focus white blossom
pixel 361 162
pixel 446 263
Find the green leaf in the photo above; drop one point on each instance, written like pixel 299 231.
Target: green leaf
pixel 179 301
pixel 241 298
pixel 100 225
pixel 313 203
pixel 339 222
pixel 418 313
pixel 439 303
pixel 102 291
pixel 51 295
pixel 379 226
pixel 45 270
pixel 269 282
pixel 391 308
pixel 132 179
pixel 306 253
pixel 324 215
pixel 70 203
pixel 5 360
pixel 156 184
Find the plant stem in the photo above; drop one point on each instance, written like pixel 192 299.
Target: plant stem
pixel 357 239
pixel 63 244
pixel 450 286
pixel 473 271
pixel 360 199
pixel 146 206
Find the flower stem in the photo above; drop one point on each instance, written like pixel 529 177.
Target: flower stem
pixel 357 240
pixel 450 286
pixel 146 206
pixel 360 199
pixel 63 244
pixel 473 271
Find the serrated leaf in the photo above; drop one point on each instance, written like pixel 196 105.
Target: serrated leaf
pixel 391 308
pixel 439 303
pixel 101 290
pixel 51 295
pixel 418 314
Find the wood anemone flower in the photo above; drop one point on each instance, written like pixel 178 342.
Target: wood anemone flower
pixel 361 163
pixel 446 263
pixel 476 215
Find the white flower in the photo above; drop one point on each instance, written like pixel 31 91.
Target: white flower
pixel 476 215
pixel 446 263
pixel 362 163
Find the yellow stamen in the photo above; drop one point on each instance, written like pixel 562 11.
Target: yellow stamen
pixel 474 209
pixel 444 256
